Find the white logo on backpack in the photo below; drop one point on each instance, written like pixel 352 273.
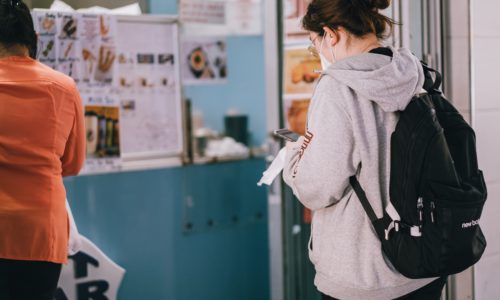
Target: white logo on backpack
pixel 470 224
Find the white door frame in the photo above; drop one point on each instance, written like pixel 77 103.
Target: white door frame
pixel 272 42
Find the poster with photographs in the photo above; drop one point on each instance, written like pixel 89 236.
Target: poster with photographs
pixel 204 61
pixel 294 11
pixel 98 51
pixel 102 125
pixel 81 46
pixel 295 113
pixel 301 71
pixel 127 71
pixel 45 25
pixel 68 54
pixel 106 55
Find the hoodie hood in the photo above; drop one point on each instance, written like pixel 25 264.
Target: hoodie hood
pixel 391 83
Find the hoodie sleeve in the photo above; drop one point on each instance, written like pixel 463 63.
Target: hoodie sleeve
pixel 318 169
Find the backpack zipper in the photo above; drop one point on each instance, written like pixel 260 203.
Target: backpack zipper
pixel 420 123
pixel 420 209
pixel 459 204
pixel 433 206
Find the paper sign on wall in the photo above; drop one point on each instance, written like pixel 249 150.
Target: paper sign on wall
pixel 203 12
pixel 221 17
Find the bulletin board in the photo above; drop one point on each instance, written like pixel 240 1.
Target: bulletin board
pixel 301 71
pixel 127 71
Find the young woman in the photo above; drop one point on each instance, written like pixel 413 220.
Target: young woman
pixel 42 139
pixel 351 117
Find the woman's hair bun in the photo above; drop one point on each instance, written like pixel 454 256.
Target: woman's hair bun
pixel 379 4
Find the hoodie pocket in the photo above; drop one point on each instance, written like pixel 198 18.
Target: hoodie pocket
pixel 313 240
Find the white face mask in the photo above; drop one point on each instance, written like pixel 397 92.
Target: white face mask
pixel 325 63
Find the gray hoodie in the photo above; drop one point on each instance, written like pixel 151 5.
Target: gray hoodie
pixel 351 117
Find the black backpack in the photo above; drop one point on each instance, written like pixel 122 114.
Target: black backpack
pixel 430 227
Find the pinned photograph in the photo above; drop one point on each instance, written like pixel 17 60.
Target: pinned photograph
pixel 102 126
pixel 69 27
pixel 47 49
pixel 301 71
pixel 105 62
pixel 204 61
pixel 296 114
pixel 126 71
pixel 165 70
pixel 46 23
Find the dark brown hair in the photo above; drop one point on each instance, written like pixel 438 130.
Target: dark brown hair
pixel 16 25
pixel 359 17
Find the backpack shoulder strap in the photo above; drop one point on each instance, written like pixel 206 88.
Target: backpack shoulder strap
pixel 431 85
pixel 362 198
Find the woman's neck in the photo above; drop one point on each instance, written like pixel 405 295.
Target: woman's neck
pixel 15 50
pixel 363 45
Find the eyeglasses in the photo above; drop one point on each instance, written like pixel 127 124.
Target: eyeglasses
pixel 312 48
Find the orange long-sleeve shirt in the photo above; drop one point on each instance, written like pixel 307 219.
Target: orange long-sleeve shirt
pixel 42 139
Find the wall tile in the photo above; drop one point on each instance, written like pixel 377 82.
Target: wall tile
pixel 487 272
pixel 463 282
pixel 487 126
pixel 489 221
pixel 487 64
pixel 458 67
pixel 458 12
pixel 485 13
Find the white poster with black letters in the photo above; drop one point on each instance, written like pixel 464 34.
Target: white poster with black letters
pixel 89 274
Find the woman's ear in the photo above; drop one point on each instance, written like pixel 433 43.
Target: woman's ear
pixel 334 35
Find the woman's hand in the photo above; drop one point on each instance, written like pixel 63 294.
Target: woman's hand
pixel 294 145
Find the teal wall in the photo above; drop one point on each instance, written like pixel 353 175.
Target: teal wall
pixel 195 232
pixel 163 7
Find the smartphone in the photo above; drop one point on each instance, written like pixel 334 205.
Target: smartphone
pixel 287 134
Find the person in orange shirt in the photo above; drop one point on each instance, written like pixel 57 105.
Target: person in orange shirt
pixel 42 139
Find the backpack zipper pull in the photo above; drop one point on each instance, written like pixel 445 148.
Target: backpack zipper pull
pixel 433 206
pixel 420 208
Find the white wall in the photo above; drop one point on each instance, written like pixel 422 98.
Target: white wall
pixel 486 120
pixel 457 88
pixel 458 67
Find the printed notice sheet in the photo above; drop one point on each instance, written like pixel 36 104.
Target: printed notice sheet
pixel 148 75
pixel 221 17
